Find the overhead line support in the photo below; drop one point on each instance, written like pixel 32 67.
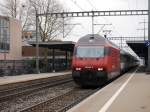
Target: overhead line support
pixel 98 13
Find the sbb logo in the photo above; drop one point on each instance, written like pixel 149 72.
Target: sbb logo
pixel 147 43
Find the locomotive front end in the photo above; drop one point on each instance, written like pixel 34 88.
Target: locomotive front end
pixel 88 65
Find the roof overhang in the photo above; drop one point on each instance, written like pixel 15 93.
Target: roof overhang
pixel 62 45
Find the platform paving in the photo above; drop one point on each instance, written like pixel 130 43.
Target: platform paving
pixel 22 78
pixel 129 93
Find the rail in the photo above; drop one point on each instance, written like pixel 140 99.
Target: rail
pixel 20 91
pixel 61 103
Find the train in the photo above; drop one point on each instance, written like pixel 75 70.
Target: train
pixel 97 60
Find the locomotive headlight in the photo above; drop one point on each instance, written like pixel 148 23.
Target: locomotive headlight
pixel 78 68
pixel 100 69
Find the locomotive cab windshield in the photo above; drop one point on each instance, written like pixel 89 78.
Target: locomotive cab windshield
pixel 90 52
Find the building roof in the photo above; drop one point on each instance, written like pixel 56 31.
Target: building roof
pixel 62 45
pixel 4 17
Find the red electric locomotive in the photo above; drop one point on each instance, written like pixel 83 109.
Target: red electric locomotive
pixel 95 60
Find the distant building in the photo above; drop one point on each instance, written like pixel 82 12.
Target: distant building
pixel 29 36
pixel 10 39
pixel 29 52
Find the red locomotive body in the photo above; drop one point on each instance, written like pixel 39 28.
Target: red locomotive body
pixel 95 60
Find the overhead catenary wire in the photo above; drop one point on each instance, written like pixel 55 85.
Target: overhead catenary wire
pixel 97 9
pixel 83 27
pixel 94 8
pixel 75 2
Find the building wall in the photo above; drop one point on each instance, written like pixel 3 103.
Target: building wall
pixel 30 52
pixel 15 51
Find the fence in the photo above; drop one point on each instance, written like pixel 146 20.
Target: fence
pixel 18 67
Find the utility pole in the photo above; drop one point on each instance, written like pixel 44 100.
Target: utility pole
pixel 93 23
pixel 4 41
pixel 144 29
pixel 37 44
pixel 63 27
pixel 15 9
pixel 148 35
pixel 121 42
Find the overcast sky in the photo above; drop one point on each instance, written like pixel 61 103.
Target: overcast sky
pixel 121 26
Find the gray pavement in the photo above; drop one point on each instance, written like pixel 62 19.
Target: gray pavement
pixel 135 97
pixel 22 78
pixel 129 93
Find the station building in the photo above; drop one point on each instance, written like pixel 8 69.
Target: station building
pixel 10 39
pixel 18 55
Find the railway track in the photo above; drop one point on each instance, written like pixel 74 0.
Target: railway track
pixel 62 102
pixel 53 99
pixel 28 89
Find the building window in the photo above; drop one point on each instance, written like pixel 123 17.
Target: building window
pixel 4 35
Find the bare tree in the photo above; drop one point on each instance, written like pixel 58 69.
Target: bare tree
pixel 18 10
pixel 49 26
pixel 9 7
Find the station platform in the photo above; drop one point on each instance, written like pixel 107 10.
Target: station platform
pixel 129 93
pixel 28 77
